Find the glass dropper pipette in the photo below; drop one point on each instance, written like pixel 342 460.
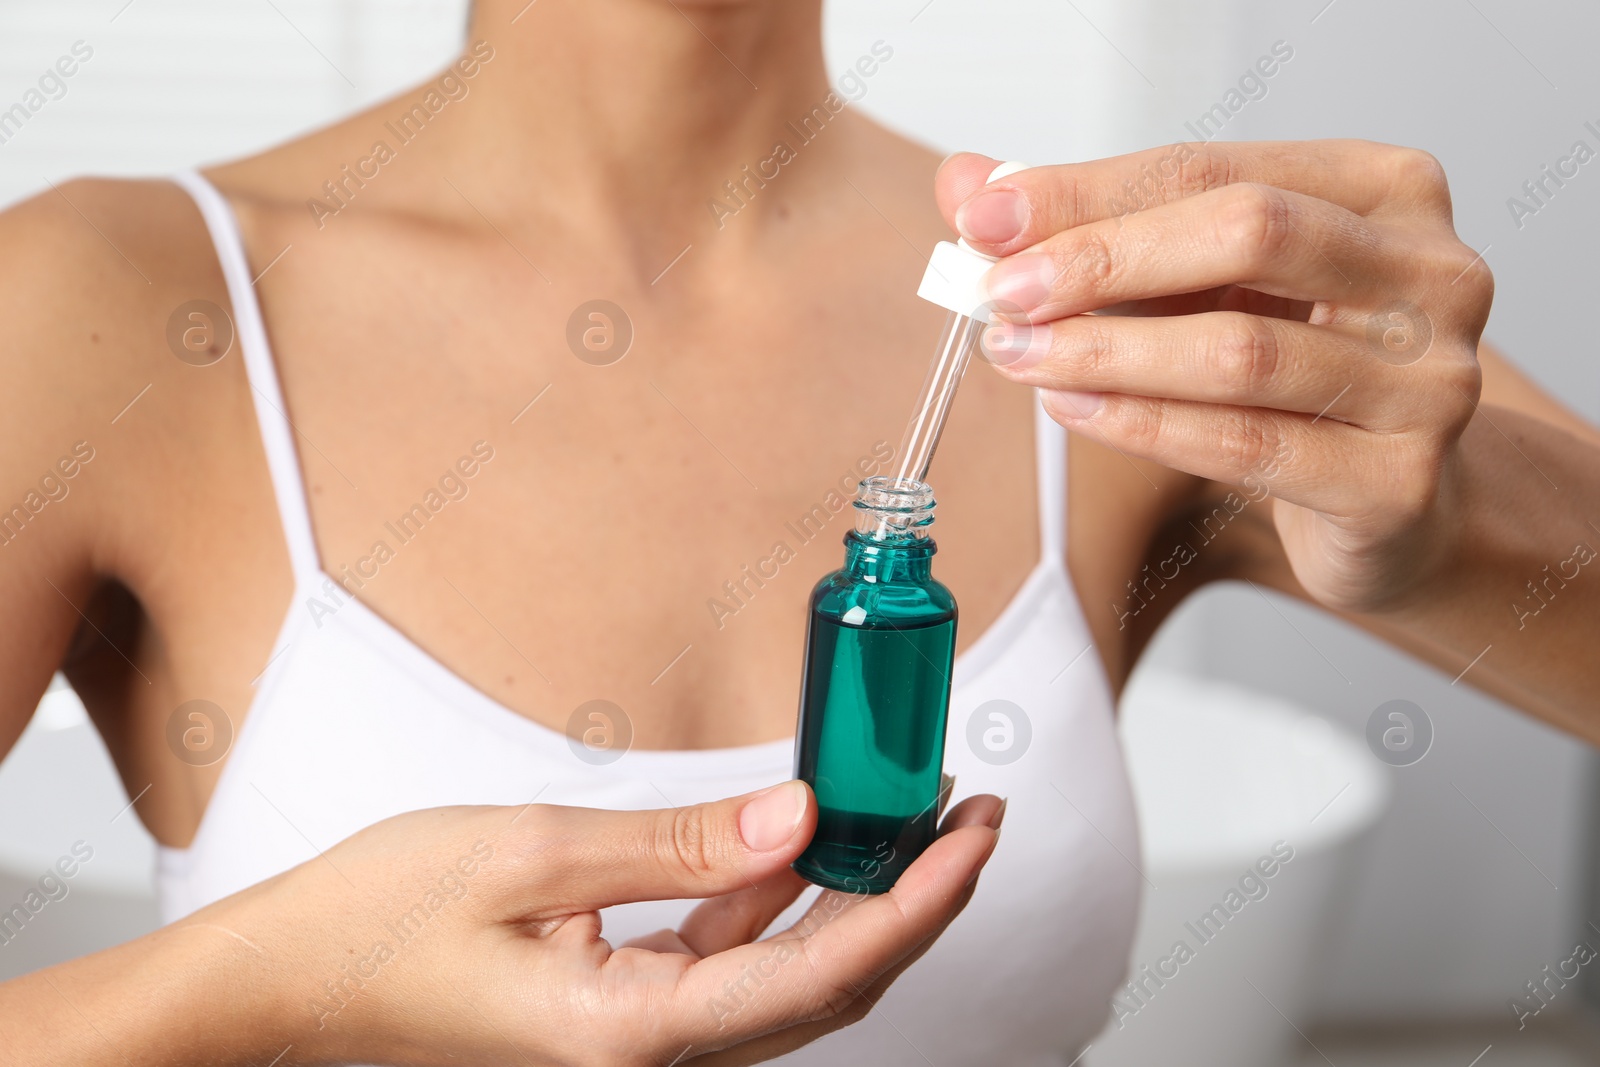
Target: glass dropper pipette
pixel 951 281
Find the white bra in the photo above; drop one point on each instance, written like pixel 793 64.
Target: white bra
pixel 352 723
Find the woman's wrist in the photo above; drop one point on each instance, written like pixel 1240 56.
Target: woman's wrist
pixel 253 954
pixel 1503 603
pixel 224 961
pixel 1427 565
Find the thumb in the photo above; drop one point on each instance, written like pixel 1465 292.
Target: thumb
pixel 590 859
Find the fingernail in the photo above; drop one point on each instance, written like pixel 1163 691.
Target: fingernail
pixel 770 818
pixel 1016 345
pixel 993 216
pixel 1075 407
pixel 1020 284
pixel 978 867
pixel 999 815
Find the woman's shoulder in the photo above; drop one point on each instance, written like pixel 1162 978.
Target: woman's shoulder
pixel 93 267
pixel 99 352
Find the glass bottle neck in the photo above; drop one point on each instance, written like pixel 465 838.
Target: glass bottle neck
pixel 879 561
pixel 890 541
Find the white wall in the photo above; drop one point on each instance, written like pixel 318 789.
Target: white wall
pixel 1452 917
pixel 175 83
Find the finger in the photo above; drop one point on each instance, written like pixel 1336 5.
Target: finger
pixel 584 858
pixel 1221 357
pixel 819 973
pixel 772 1045
pixel 1305 461
pixel 985 809
pixel 662 941
pixel 757 906
pixel 981 810
pixel 1363 177
pixel 1276 242
pixel 740 917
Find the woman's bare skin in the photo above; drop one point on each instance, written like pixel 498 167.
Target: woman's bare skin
pixel 425 315
pixel 613 519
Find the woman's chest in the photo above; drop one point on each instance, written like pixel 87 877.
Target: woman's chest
pixel 645 530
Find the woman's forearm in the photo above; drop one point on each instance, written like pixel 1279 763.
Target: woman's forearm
pixel 1516 607
pixel 193 993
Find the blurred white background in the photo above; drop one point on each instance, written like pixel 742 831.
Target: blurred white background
pixel 1460 903
pixel 1479 874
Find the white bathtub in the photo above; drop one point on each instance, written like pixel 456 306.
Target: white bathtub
pixel 57 789
pixel 1221 776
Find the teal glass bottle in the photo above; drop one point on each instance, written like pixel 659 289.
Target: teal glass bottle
pixel 875 694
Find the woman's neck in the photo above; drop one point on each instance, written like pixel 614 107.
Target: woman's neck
pixel 633 110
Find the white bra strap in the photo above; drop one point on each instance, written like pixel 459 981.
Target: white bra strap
pixel 277 433
pixel 1050 461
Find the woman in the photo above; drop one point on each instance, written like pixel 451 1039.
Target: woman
pixel 603 496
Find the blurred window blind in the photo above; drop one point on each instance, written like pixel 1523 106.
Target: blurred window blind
pixel 156 85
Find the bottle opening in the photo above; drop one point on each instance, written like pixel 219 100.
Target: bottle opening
pixel 894 509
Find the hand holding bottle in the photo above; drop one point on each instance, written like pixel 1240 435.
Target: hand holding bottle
pixel 470 935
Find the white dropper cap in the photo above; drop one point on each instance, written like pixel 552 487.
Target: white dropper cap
pixel 955 269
